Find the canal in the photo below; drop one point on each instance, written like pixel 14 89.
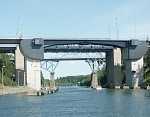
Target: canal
pixel 78 102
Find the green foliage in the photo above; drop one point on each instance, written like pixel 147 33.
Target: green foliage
pixel 6 61
pixel 81 80
pixel 73 80
pixel 42 79
pixel 147 68
pixel 45 82
pixel 101 74
pixel 85 80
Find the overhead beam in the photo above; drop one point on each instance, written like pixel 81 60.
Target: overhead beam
pixel 77 48
pixel 72 59
pixel 10 41
pixel 87 41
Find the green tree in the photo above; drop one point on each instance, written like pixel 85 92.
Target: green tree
pixel 42 79
pixel 147 68
pixel 7 60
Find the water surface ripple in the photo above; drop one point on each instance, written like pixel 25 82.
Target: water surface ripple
pixel 78 102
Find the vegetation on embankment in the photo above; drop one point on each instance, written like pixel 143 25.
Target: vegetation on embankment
pixel 8 65
pixel 147 68
pixel 81 80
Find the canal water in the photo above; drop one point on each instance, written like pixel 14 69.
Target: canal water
pixel 78 102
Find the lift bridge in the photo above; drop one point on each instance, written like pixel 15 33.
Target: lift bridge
pixel 127 54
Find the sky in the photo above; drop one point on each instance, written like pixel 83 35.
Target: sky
pixel 75 18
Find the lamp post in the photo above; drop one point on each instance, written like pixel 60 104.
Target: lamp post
pixel 3 76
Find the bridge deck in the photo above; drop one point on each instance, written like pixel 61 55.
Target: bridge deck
pixel 86 41
pixel 61 45
pixel 62 41
pixel 10 41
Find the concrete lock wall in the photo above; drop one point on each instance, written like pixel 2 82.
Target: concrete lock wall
pixel 19 64
pixel 33 74
pixel 137 72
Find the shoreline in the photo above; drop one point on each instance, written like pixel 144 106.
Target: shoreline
pixel 25 91
pixel 14 90
pixel 7 90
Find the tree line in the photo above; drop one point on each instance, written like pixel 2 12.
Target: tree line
pixel 7 69
pixel 81 80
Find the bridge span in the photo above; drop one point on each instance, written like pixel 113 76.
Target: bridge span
pixel 122 57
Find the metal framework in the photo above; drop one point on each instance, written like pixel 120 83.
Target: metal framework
pixel 49 66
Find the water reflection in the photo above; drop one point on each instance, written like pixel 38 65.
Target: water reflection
pixel 147 93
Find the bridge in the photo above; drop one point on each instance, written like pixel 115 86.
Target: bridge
pixel 122 57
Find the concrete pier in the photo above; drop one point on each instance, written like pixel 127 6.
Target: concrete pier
pixel 113 67
pixel 28 71
pixel 52 81
pixel 137 73
pixel 20 67
pixel 133 69
pixel 94 80
pixel 33 74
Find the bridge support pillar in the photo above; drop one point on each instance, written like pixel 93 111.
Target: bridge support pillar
pixel 137 73
pixel 127 67
pixel 33 74
pixel 113 68
pixel 52 80
pixel 134 72
pixel 128 73
pixel 20 66
pixel 94 80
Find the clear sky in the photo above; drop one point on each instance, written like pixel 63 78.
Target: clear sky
pixel 75 18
